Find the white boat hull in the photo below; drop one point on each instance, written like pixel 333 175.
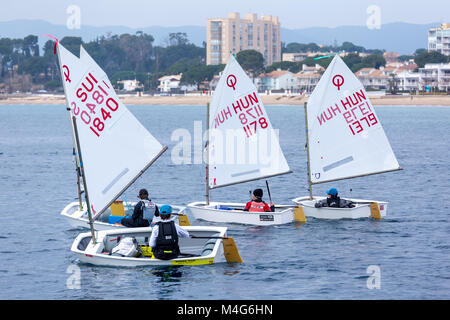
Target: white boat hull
pixel 361 210
pixel 98 254
pixel 234 214
pixel 78 218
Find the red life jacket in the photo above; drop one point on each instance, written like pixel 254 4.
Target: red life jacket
pixel 257 206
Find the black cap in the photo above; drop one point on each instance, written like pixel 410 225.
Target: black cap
pixel 258 193
pixel 143 192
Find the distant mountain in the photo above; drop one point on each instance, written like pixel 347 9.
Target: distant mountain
pixel 403 38
pixel 22 28
pixel 400 37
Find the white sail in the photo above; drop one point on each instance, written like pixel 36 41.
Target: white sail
pixel 116 148
pixel 242 144
pixel 346 138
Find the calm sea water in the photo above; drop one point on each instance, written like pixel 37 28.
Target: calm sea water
pixel 318 260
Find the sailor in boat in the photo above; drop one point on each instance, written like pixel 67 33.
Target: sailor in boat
pixel 257 204
pixel 164 238
pixel 334 201
pixel 143 213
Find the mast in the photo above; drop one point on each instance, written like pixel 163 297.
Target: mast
pixel 75 151
pixel 77 163
pixel 207 154
pixel 307 153
pixel 77 140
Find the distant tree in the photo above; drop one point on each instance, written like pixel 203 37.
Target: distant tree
pixel 284 65
pixel 138 50
pixel 374 61
pixel 164 57
pixel 6 50
pixel 251 61
pixel 375 51
pixel 352 59
pixel 295 47
pixel 405 57
pixel 33 66
pixel 72 44
pixel 393 84
pixel 53 85
pixel 48 48
pixel 312 61
pixel 125 56
pixel 198 73
pixel 183 65
pixel 350 47
pixel 178 39
pixel 430 57
pixel 30 46
pixel 420 50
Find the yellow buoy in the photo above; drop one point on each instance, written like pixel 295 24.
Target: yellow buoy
pixel 231 251
pixel 117 208
pixel 183 220
pixel 299 214
pixel 375 211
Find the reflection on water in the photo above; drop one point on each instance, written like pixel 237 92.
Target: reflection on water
pixel 167 273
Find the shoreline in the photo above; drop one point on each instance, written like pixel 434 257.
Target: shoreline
pixel 416 100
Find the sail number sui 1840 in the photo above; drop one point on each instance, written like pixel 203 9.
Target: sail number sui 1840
pixel 99 97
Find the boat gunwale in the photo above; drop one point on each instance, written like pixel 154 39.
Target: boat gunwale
pixel 202 205
pixel 64 213
pixel 102 234
pixel 360 203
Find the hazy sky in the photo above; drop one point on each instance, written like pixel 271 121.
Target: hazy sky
pixel 292 13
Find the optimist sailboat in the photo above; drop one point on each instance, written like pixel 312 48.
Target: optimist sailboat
pixel 206 245
pixel 111 147
pixel 241 147
pixel 344 140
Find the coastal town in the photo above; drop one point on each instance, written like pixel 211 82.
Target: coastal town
pixel 282 73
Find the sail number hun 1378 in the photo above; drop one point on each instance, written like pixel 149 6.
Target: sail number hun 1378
pixel 92 94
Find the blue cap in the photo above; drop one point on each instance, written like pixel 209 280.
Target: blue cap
pixel 165 209
pixel 332 191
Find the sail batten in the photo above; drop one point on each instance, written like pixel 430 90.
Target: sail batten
pixel 254 179
pixel 242 144
pixel 345 135
pixel 359 176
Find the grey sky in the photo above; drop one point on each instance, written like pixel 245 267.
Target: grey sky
pixel 292 13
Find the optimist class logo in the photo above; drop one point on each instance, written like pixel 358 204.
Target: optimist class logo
pixel 231 81
pixel 338 81
pixel 66 74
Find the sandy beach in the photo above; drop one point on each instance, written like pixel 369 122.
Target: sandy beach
pixel 418 100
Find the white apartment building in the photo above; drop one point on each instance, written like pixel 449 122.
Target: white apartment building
pixel 295 56
pixel 131 85
pixel 275 80
pixel 408 81
pixel 435 75
pixel 307 78
pixel 171 83
pixel 439 39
